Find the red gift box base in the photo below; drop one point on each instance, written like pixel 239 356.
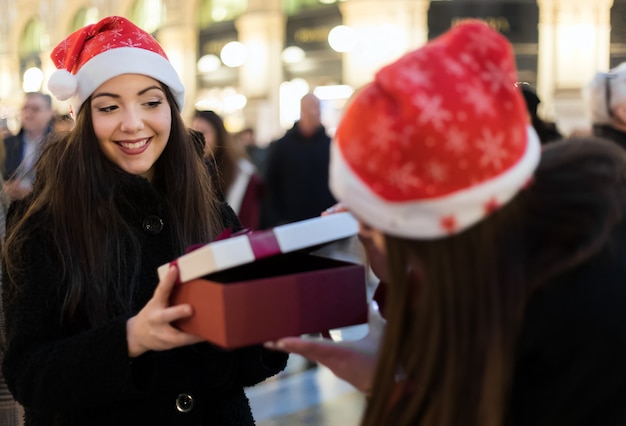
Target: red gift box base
pixel 290 295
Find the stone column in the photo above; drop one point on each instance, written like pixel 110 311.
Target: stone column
pixel 385 30
pixel 9 65
pixel 574 38
pixel 262 30
pixel 179 38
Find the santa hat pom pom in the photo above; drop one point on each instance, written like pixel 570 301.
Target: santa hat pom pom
pixel 62 84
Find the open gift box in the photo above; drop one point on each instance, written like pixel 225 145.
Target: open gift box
pixel 265 285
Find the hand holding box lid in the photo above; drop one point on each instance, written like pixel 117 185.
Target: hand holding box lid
pixel 255 245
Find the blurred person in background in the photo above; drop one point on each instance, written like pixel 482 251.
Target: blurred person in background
pixel 246 139
pixel 605 98
pixel 239 181
pixel 546 130
pixel 62 124
pixel 22 150
pixel 296 176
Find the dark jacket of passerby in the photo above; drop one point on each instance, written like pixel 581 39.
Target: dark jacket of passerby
pixel 14 148
pixel 609 132
pixel 297 177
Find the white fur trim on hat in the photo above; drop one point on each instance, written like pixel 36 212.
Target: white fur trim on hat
pixel 126 60
pixel 423 219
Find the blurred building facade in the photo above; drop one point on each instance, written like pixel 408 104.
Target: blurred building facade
pixel 251 60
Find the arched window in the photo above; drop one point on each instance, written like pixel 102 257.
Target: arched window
pixel 84 16
pixel 33 40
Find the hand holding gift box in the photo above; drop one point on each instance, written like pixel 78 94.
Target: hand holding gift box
pixel 353 360
pixel 264 285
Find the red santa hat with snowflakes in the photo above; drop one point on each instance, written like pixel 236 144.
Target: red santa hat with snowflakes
pixel 98 52
pixel 439 140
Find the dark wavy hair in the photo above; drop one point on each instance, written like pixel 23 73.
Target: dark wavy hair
pixel 74 194
pixel 451 334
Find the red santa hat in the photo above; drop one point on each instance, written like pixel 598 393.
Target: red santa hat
pixel 439 140
pixel 98 52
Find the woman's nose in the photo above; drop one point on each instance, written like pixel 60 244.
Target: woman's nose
pixel 131 120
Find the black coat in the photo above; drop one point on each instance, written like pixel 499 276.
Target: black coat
pixel 296 177
pixel 14 151
pixel 79 375
pixel 570 358
pixel 611 133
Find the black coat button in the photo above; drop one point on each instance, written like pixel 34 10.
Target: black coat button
pixel 153 224
pixel 185 402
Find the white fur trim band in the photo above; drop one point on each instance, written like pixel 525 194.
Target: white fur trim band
pixel 423 219
pixel 126 60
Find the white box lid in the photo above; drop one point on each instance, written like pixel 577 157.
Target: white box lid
pixel 255 245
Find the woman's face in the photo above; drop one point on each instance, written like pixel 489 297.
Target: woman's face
pixel 208 131
pixel 132 121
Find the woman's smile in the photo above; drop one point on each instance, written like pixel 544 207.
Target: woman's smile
pixel 134 147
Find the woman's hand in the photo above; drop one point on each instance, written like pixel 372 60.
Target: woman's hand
pixel 151 328
pixel 352 361
pixel 336 208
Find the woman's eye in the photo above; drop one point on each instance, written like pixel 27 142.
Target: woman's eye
pixel 107 108
pixel 154 104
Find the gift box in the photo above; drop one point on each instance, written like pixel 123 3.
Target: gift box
pixel 264 285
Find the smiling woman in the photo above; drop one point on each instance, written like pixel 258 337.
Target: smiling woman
pixel 89 327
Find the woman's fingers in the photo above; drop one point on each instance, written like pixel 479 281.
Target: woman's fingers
pixel 170 337
pixel 152 328
pixel 337 208
pixel 173 313
pixel 317 350
pixel 164 288
pixel 353 366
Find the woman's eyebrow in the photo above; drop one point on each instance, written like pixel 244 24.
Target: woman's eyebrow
pixel 147 89
pixel 98 95
pixel 113 95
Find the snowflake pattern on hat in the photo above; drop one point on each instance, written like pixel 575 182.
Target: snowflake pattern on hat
pixel 85 43
pixel 442 132
pixel 97 52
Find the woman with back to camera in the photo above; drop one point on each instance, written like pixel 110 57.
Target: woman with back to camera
pixel 90 339
pixel 504 301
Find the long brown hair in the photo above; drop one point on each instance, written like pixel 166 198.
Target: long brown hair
pixel 73 193
pixel 448 354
